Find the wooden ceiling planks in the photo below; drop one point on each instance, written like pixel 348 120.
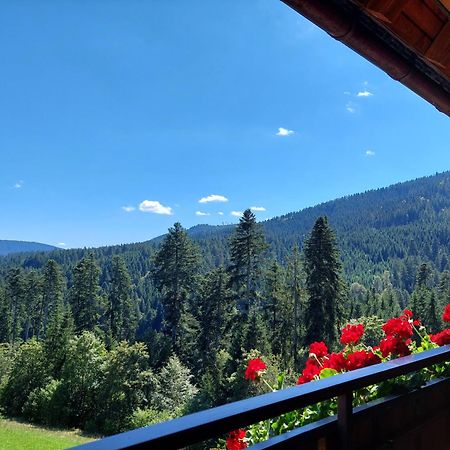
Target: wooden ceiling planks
pixel 422 25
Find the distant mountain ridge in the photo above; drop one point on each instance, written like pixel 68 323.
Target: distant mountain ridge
pixel 394 228
pixel 8 247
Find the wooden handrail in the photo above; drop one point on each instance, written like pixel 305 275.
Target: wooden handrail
pixel 213 422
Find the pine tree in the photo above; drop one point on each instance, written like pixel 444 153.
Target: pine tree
pixel 246 248
pixel 176 265
pixel 5 318
pixel 295 294
pixel 275 308
pixel 432 320
pixel 324 311
pixel 121 310
pixel 60 329
pixel 15 298
pixel 215 316
pixel 33 304
pixel 423 275
pixel 85 294
pixel 52 294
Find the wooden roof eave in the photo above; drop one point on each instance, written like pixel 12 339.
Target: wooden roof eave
pixel 348 28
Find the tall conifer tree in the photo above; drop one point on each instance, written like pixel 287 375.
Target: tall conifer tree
pixel 324 311
pixel 246 247
pixel 176 266
pixel 121 311
pixel 85 294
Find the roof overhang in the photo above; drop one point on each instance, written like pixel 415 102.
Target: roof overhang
pixel 408 39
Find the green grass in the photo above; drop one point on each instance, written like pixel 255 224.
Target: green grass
pixel 23 436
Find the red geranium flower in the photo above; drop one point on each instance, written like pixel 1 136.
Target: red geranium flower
pixel 309 372
pixel 335 361
pixel 363 358
pixel 408 313
pixel 235 440
pixel 446 315
pixel 398 327
pixel 392 345
pixel 254 369
pixel 319 349
pixel 351 334
pixel 442 338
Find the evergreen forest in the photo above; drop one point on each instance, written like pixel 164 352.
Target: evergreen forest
pixel 113 338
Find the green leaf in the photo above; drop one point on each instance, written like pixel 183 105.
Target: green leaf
pixel 326 373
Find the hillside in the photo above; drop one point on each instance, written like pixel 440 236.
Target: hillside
pixel 8 247
pixel 394 228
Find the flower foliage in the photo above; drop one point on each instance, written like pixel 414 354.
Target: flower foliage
pixel 397 342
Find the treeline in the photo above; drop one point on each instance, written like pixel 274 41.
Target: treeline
pixel 395 229
pixel 99 350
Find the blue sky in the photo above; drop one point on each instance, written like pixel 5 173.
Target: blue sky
pixel 118 117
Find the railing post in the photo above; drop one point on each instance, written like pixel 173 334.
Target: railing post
pixel 345 411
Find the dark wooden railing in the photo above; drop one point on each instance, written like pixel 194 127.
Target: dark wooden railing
pixel 395 422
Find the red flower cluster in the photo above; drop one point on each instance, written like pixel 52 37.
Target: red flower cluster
pixel 446 315
pixel 351 334
pixel 319 349
pixel 442 338
pixel 398 333
pixel 335 361
pixel 399 327
pixel 254 369
pixel 235 440
pixel 360 359
pixel 391 345
pixel 309 372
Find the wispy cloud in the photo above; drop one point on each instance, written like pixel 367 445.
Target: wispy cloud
pixel 128 208
pixel 153 206
pixel 284 132
pixel 201 213
pixel 213 198
pixel 257 208
pixel 220 213
pixel 18 184
pixel 350 107
pixel 370 153
pixel 364 94
pixel 61 244
pixel 236 213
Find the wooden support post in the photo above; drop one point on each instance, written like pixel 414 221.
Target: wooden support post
pixel 345 411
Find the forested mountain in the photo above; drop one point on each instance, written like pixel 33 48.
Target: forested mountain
pixel 116 337
pixel 8 247
pixel 394 228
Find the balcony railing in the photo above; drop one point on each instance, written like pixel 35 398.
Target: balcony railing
pixel 418 420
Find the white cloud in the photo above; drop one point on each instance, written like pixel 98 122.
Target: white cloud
pixel 370 153
pixel 284 132
pixel 364 94
pixel 350 107
pixel 153 206
pixel 213 198
pixel 18 184
pixel 128 208
pixel 61 244
pixel 201 213
pixel 257 208
pixel 220 213
pixel 236 213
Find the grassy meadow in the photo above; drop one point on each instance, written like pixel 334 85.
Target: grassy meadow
pixel 16 435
